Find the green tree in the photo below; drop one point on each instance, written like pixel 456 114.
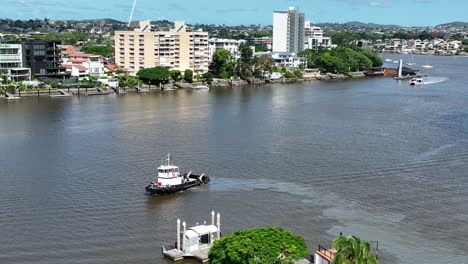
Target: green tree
pixel 377 61
pixel 223 64
pixel 207 77
pixel 258 246
pixel 176 75
pixel 351 250
pixel 188 75
pixel 99 50
pixel 246 61
pixel 154 75
pixel 290 75
pixel 329 63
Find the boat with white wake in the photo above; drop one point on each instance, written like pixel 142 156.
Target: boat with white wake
pixel 170 180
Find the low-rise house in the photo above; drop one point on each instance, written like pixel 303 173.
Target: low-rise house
pixel 66 50
pixel 94 64
pixel 285 59
pixel 231 45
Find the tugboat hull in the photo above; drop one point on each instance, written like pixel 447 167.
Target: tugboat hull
pixel 192 181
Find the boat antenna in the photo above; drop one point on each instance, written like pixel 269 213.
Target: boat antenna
pixel 131 14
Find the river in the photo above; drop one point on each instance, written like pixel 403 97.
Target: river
pixel 371 157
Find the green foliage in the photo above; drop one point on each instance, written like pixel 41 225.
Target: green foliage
pixel 11 88
pixel 298 73
pixel 176 75
pixel 188 75
pixel 351 250
pixel 329 63
pixel 290 75
pixel 258 246
pixel 260 48
pixel 223 64
pixel 341 59
pixel 10 38
pixel 3 79
pixel 207 77
pixel 344 38
pixel 198 77
pixel 154 75
pixel 99 50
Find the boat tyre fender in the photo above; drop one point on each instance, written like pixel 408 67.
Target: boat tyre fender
pixel 205 179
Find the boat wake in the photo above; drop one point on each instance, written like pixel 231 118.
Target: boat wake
pixel 434 80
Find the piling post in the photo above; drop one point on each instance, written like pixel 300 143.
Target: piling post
pixel 218 220
pixel 184 225
pixel 178 234
pixel 212 218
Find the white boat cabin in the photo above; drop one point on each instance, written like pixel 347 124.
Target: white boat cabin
pixel 169 174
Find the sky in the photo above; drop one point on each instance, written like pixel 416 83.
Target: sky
pixel 237 12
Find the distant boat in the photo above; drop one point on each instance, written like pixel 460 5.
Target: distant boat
pixel 428 66
pixel 416 81
pixel 388 60
pixel 396 62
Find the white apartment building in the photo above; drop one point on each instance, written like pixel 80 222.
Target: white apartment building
pixel 288 31
pixel 314 37
pixel 285 59
pixel 175 49
pixel 82 65
pixel 231 45
pixel 11 62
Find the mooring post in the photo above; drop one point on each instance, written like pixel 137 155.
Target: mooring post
pixel 178 234
pixel 218 220
pixel 183 237
pixel 212 218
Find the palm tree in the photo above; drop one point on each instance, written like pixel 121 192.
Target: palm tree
pixel 351 250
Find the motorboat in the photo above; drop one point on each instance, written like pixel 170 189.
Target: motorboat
pixel 428 66
pixel 170 180
pixel 416 81
pixel 388 60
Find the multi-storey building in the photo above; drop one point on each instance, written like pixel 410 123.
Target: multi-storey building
pixel 314 37
pixel 175 49
pixel 231 45
pixel 43 58
pixel 11 62
pixel 288 31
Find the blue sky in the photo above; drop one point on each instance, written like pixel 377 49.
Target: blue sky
pixel 401 12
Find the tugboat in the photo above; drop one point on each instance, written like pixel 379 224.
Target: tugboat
pixel 170 180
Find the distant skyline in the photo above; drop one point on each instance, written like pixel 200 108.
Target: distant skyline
pixel 398 12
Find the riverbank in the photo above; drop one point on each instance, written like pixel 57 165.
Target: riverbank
pixel 221 83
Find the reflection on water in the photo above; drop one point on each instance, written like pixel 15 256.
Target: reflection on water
pixel 373 157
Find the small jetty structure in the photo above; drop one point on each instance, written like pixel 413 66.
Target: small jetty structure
pixel 8 96
pixel 194 242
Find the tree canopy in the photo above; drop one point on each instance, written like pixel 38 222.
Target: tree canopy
pixel 258 246
pixel 188 75
pixel 104 51
pixel 223 64
pixel 341 59
pixel 351 250
pixel 154 75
